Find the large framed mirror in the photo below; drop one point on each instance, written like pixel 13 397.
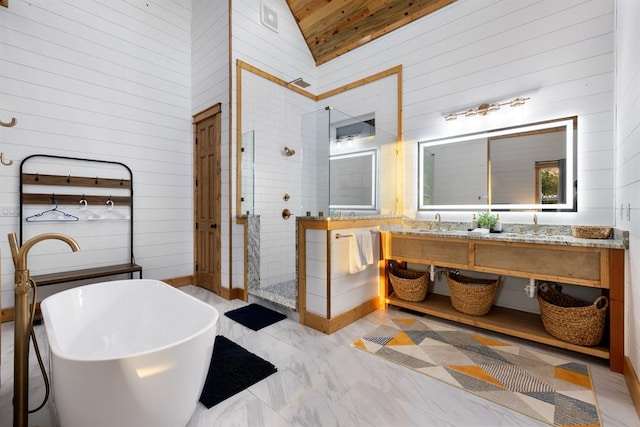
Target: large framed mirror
pixel 528 167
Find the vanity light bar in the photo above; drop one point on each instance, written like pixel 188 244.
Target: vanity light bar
pixel 484 109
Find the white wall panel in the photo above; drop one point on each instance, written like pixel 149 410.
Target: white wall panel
pixel 316 272
pixel 350 290
pixel 627 161
pixel 210 86
pixel 109 82
pixel 558 53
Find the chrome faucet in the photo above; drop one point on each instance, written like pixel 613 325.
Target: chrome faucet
pixel 535 224
pixel 23 322
pixel 438 221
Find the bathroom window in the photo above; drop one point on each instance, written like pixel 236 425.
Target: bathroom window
pixel 548 182
pixel 352 181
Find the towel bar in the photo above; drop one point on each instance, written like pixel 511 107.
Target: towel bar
pixel 340 236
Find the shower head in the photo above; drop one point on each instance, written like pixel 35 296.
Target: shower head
pixel 300 83
pixel 289 151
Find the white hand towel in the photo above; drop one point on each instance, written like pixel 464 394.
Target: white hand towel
pixel 365 247
pixel 360 251
pixel 479 232
pixel 355 262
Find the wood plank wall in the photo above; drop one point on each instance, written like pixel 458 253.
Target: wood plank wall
pixel 104 81
pixel 627 197
pixel 560 54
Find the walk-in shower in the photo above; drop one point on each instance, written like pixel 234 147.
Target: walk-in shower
pixel 343 166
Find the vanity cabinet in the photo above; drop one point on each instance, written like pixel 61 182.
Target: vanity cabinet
pixel 596 265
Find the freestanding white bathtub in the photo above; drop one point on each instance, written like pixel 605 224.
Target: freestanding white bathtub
pixel 127 353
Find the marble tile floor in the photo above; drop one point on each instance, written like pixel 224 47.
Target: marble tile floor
pixel 323 381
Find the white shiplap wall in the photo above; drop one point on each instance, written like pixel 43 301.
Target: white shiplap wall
pixel 316 268
pixel 104 81
pixel 559 53
pixel 628 161
pixel 351 290
pixel 210 86
pixel 347 290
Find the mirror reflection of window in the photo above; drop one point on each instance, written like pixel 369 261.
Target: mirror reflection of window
pixel 352 181
pixel 547 182
pixel 513 158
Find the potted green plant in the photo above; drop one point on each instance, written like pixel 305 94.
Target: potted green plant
pixel 487 220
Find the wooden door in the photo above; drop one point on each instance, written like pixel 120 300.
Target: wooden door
pixel 207 198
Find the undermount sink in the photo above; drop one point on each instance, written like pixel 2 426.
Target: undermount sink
pixel 443 232
pixel 534 236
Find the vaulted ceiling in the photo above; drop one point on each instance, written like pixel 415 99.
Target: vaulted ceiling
pixel 334 27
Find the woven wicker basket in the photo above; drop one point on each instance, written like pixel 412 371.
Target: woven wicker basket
pixel 472 295
pixel 590 232
pixel 408 285
pixel 571 319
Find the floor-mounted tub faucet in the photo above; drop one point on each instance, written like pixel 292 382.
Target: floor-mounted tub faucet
pixel 535 224
pixel 23 321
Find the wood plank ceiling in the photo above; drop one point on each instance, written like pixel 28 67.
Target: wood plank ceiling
pixel 334 27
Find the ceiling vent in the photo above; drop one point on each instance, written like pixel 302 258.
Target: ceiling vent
pixel 268 17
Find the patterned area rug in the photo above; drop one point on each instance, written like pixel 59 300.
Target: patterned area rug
pixel 555 391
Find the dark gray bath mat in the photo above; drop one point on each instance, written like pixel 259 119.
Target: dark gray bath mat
pixel 255 316
pixel 232 369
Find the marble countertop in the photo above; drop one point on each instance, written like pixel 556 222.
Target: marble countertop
pixel 549 234
pixel 347 217
pixel 558 239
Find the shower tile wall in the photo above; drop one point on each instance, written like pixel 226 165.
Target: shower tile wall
pixel 275 172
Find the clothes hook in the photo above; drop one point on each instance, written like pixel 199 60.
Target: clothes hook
pixel 11 124
pixel 5 162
